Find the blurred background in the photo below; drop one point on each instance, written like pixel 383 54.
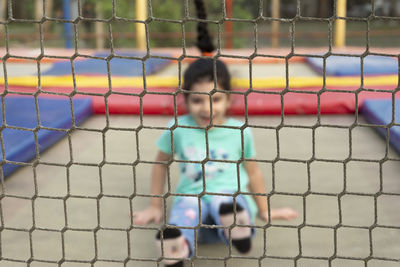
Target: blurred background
pixel 374 23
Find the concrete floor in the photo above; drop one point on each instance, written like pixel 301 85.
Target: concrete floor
pixel 61 197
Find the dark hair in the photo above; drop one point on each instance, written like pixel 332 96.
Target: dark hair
pixel 203 68
pixel 204 40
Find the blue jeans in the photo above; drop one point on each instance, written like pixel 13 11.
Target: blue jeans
pixel 185 213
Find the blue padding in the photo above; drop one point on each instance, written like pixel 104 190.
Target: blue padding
pixel 379 112
pixel 118 66
pixel 19 145
pixel 348 66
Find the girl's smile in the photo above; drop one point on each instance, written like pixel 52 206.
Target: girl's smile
pixel 200 107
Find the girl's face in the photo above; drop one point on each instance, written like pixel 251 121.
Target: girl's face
pixel 200 108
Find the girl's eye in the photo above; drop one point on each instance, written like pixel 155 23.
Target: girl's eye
pixel 195 100
pixel 216 99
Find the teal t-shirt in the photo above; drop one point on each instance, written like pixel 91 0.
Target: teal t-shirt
pixel 224 151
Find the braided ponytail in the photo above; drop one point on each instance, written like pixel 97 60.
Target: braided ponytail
pixel 203 68
pixel 204 40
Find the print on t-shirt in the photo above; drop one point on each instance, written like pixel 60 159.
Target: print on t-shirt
pixel 194 171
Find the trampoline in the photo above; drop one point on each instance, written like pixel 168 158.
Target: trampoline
pixel 380 112
pixel 123 64
pixel 351 65
pixel 22 126
pixel 123 98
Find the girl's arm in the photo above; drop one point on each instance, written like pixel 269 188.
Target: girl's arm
pixel 154 212
pixel 256 185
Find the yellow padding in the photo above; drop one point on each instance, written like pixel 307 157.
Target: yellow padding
pixel 156 81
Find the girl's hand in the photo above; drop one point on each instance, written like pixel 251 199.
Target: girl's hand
pixel 279 214
pixel 148 215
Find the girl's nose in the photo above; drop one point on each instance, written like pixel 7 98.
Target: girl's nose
pixel 206 106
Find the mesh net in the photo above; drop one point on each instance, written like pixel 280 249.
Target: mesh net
pixel 78 209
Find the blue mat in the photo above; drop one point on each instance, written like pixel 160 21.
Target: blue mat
pixel 348 66
pixel 19 145
pixel 118 66
pixel 379 112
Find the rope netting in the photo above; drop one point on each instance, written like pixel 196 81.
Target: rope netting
pixel 131 255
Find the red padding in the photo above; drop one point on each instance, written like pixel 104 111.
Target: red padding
pixel 258 102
